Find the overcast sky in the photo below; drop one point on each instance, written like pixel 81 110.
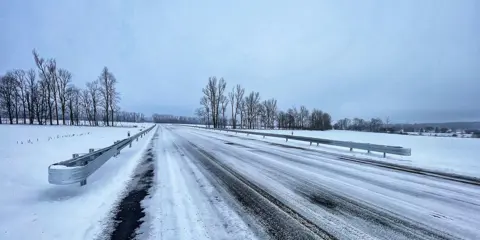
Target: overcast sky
pixel 412 60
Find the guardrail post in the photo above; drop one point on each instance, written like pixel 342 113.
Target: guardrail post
pixel 286 139
pixel 263 136
pixel 130 144
pixel 310 143
pixel 384 155
pixel 351 149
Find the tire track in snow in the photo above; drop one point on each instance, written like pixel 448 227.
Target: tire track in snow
pixel 129 212
pixel 279 220
pixel 333 202
pixel 380 164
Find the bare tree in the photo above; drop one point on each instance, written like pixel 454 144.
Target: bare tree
pixel 44 68
pixel 231 98
pixel 41 105
pixel 7 94
pixel 220 97
pixel 202 114
pixel 239 92
pixel 86 104
pixel 104 79
pixel 64 78
pixel 252 101
pixel 74 97
pixel 53 82
pixel 94 92
pixel 21 83
pixel 114 96
pixel 270 112
pixel 206 105
pixel 31 94
pixel 210 95
pixel 243 109
pixel 303 117
pixel 224 104
pixel 109 94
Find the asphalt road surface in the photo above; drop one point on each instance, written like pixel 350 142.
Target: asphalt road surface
pixel 196 184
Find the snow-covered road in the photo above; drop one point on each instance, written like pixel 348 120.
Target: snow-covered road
pixel 212 186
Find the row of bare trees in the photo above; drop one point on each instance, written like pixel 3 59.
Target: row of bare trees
pixel 302 118
pixel 249 111
pixel 359 124
pixel 46 95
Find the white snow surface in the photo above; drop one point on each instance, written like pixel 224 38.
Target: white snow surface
pixel 446 154
pixel 31 208
pixel 184 204
pixel 438 204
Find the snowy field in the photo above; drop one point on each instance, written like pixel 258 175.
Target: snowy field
pixel 447 154
pixel 31 208
pixel 180 182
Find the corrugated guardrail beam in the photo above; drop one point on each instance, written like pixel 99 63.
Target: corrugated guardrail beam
pixel 79 167
pixel 352 145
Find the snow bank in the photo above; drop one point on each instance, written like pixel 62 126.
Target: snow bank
pixel 448 154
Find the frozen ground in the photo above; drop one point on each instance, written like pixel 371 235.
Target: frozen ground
pixel 31 208
pixel 183 203
pixel 186 183
pixel 447 154
pixel 296 194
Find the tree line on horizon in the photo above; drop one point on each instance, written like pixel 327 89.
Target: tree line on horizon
pixel 249 111
pixel 47 95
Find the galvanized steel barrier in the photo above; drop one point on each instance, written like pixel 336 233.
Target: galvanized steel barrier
pixel 77 169
pixel 352 145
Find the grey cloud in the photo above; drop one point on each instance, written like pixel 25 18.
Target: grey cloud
pixel 412 60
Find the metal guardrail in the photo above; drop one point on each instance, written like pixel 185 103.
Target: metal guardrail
pixel 396 150
pixel 81 166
